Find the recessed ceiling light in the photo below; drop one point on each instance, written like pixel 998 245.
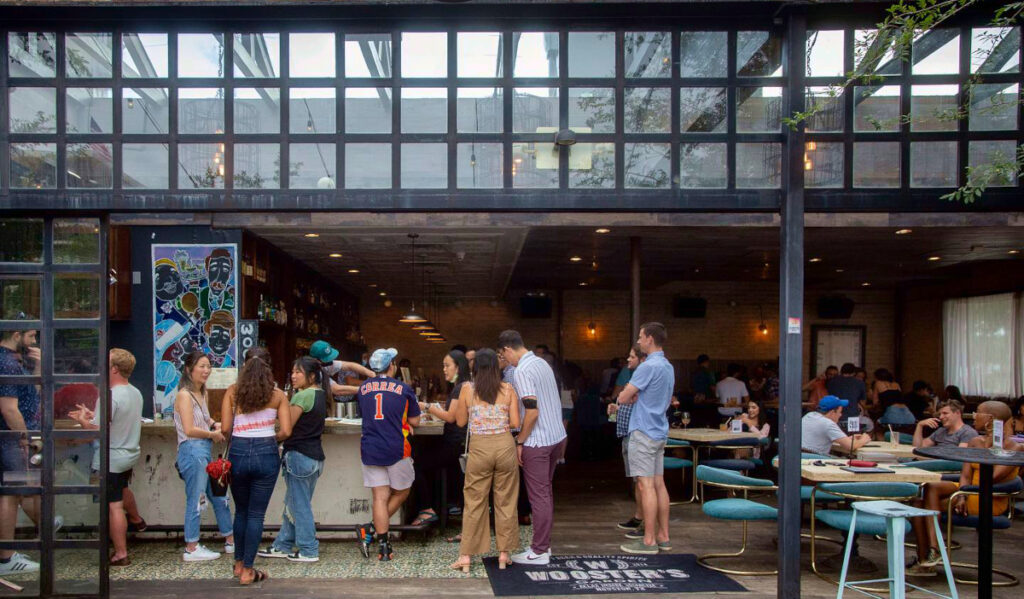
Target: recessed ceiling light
pixel 865 284
pixel 575 259
pixel 602 230
pixel 934 258
pixel 583 283
pixel 353 271
pixel 383 294
pixel 840 270
pixel 335 255
pixel 815 260
pixel 312 235
pixel 372 285
pixel 904 231
pixel 1013 252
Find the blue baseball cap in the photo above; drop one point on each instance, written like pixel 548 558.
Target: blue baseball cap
pixel 831 402
pixel 321 350
pixel 381 359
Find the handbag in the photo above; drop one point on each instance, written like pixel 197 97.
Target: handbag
pixel 464 456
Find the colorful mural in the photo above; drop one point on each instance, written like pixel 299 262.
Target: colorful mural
pixel 194 294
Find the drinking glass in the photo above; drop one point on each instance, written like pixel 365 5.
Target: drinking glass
pixel 686 419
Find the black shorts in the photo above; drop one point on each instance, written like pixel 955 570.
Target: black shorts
pixel 116 484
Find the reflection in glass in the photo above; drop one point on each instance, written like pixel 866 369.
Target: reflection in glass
pixel 257 54
pixel 143 55
pixel 993 107
pixel 368 166
pixel 591 54
pixel 936 52
pixel 311 55
pixel 703 110
pixel 875 52
pixel 758 54
pixel 424 54
pixel 823 164
pixel 200 55
pixel 257 166
pixel 368 109
pixel 480 109
pixel 830 114
pixel 758 109
pixel 19 297
pixel 257 110
pixel 200 166
pixel 311 166
pixel 876 108
pixel 876 164
pixel 592 109
pixel 424 110
pixel 995 50
pixel 424 166
pixel 21 240
pixel 533 108
pixel 933 164
pixel 312 110
pixel 90 166
pixel 76 351
pixel 144 166
pixel 201 110
pixel 534 165
pixel 535 54
pixel 31 54
pixel 480 166
pixel 33 165
pixel 76 295
pixel 703 165
pixel 76 241
pixel 592 166
pixel 74 460
pixel 993 163
pixel 144 110
pixel 933 108
pixel 825 53
pixel 90 110
pixel 647 110
pixel 368 55
pixel 647 166
pixel 758 165
pixel 703 54
pixel 479 54
pixel 33 109
pixel 89 55
pixel 648 54
pixel 89 583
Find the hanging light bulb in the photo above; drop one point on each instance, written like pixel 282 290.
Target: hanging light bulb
pixel 592 328
pixel 309 125
pixel 763 328
pixel 131 103
pixel 412 316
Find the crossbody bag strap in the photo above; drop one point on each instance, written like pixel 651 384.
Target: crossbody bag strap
pixel 466 397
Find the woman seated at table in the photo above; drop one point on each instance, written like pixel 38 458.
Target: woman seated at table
pixel 936 495
pixel 755 420
pixel 1018 416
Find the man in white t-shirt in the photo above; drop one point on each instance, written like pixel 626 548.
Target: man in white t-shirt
pixel 820 429
pixel 732 392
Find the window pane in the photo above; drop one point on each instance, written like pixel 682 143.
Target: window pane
pixel 647 110
pixel 936 52
pixel 368 110
pixel 76 295
pixel 480 109
pixel 591 54
pixel 200 55
pixel 424 54
pixel 368 166
pixel 592 166
pixel 876 108
pixel 876 164
pixel 257 54
pixel 758 54
pixel 143 55
pixel 144 110
pixel 90 166
pixel 533 108
pixel 88 55
pixel 144 166
pixel 703 54
pixel 33 109
pixel 90 110
pixel 424 110
pixel 994 107
pixel 21 240
pixel 534 165
pixel 703 110
pixel 19 297
pixel 311 55
pixel 648 54
pixel 703 165
pixel 823 164
pixel 592 109
pixel 424 166
pixel 758 109
pixel 535 54
pixel 257 166
pixel 311 166
pixel 830 115
pixel 257 110
pixel 368 55
pixel 933 164
pixel 480 166
pixel 875 52
pixel 933 108
pixel 200 166
pixel 479 54
pixel 76 241
pixel 647 166
pixel 758 166
pixel 825 53
pixel 993 163
pixel 76 351
pixel 201 110
pixel 312 110
pixel 32 54
pixel 995 50
pixel 34 165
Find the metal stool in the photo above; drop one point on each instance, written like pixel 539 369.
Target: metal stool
pixel 895 515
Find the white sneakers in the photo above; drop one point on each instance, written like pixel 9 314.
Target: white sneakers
pixel 18 564
pixel 229 548
pixel 528 558
pixel 201 554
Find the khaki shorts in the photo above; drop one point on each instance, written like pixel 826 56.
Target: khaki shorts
pixel 646 456
pixel 625 455
pixel 398 476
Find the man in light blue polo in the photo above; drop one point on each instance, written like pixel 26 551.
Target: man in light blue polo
pixel 650 390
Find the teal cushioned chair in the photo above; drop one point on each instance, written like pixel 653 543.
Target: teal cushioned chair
pixel 905 438
pixel 735 509
pixel 675 463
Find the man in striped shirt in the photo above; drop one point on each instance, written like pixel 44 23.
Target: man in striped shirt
pixel 541 440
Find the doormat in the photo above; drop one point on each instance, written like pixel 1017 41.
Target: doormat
pixel 597 574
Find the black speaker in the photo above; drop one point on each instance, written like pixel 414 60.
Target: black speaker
pixel 837 307
pixel 535 307
pixel 689 307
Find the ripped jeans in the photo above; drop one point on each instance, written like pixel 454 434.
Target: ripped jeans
pixel 298 529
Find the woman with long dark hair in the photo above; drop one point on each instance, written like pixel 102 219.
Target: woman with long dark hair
pixel 250 412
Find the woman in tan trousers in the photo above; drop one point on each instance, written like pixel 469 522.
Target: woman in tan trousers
pixel 491 408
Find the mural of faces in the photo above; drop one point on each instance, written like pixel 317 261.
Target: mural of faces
pixel 220 339
pixel 167 282
pixel 218 270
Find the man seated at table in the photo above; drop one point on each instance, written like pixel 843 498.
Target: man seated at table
pixel 936 495
pixel 820 429
pixel 950 429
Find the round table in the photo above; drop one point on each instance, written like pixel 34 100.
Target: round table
pixel 986 460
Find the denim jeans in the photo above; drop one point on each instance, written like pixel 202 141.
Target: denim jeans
pixel 297 525
pixel 254 464
pixel 193 456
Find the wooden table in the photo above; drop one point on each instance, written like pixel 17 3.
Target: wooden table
pixel 905 452
pixel 834 474
pixel 704 436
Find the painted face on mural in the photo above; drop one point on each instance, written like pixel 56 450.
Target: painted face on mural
pixel 219 273
pixel 219 340
pixel 167 283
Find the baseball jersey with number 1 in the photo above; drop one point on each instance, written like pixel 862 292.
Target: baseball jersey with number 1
pixel 386 405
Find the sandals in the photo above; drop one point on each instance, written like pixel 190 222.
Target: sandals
pixel 456 539
pixel 124 561
pixel 426 516
pixel 258 576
